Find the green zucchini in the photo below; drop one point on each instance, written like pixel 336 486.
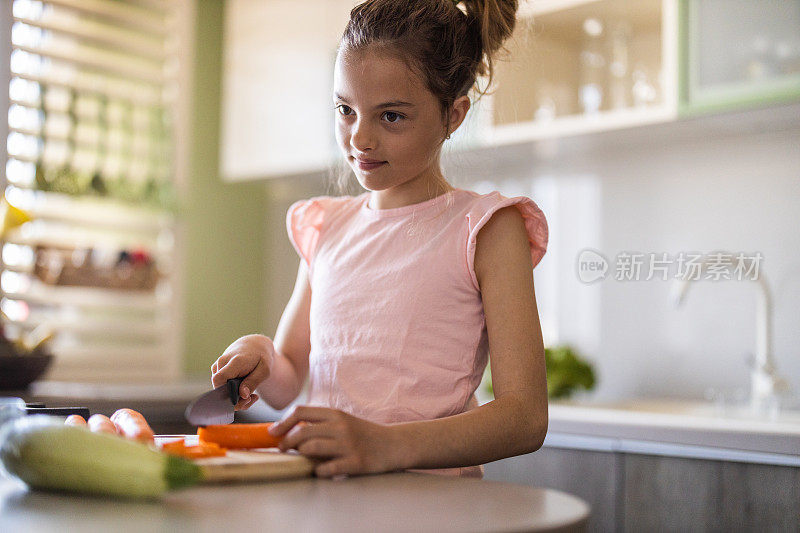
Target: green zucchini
pixel 46 454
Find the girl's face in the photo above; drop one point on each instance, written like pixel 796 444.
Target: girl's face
pixel 384 113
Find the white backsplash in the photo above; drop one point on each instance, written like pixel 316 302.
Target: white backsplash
pixel 740 194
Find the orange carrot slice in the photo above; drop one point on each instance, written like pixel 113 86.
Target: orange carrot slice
pixel 179 448
pixel 239 436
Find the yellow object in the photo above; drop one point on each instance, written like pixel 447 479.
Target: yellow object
pixel 37 337
pixel 13 217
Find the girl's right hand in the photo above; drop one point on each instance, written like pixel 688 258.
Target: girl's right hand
pixel 250 357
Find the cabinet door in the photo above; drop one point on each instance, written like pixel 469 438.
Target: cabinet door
pixel 578 67
pixel 738 53
pixel 590 475
pixel 680 494
pixel 277 110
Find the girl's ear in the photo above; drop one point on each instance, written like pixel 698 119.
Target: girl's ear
pixel 458 112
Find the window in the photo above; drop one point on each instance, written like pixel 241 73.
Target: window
pixel 95 160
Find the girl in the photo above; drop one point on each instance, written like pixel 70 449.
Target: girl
pixel 403 290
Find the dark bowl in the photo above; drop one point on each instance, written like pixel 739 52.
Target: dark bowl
pixel 19 371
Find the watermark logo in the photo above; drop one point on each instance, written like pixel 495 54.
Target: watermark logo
pixel 634 266
pixel 592 266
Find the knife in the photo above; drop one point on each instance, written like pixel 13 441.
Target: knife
pixel 216 406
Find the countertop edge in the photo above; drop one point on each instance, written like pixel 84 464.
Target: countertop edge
pixel 573 441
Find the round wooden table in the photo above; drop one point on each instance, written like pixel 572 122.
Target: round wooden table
pixel 387 502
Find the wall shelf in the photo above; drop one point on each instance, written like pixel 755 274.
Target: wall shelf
pixel 40 293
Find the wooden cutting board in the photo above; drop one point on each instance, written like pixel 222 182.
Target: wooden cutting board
pixel 262 464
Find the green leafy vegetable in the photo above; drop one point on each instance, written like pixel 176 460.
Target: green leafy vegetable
pixel 566 372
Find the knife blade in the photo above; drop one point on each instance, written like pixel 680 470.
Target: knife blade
pixel 216 406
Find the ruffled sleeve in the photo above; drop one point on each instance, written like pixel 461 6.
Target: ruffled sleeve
pixel 304 220
pixel 532 216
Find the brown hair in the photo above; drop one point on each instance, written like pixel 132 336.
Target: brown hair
pixel 447 44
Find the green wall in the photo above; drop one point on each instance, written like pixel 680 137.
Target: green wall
pixel 225 223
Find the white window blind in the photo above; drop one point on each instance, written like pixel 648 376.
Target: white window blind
pixel 93 159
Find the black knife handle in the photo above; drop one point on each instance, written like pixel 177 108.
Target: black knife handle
pixel 58 411
pixel 233 389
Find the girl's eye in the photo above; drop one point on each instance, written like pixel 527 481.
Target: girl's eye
pixel 393 114
pixel 392 117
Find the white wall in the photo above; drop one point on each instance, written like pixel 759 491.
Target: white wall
pixel 740 193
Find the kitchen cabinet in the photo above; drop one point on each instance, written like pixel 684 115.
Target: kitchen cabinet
pixel 278 69
pixel 574 69
pixel 590 475
pixel 679 494
pixel 738 53
pixel 641 492
pixel 585 66
pixel 667 465
pixel 277 86
pixel 279 59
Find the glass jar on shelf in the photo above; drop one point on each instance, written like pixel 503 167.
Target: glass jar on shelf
pixel 644 90
pixel 546 109
pixel 592 67
pixel 618 69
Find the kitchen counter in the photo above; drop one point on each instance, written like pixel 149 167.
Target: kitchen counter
pixel 675 428
pixel 388 502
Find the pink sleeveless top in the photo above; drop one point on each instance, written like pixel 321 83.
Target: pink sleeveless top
pixel 397 324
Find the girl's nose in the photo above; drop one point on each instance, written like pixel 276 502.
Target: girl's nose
pixel 361 137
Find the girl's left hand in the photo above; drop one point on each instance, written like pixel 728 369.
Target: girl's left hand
pixel 352 445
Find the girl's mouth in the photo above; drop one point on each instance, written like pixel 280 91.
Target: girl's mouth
pixel 368 166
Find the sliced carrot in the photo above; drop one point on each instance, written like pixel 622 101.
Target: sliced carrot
pixel 173 445
pixel 238 436
pixel 198 452
pixel 193 452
